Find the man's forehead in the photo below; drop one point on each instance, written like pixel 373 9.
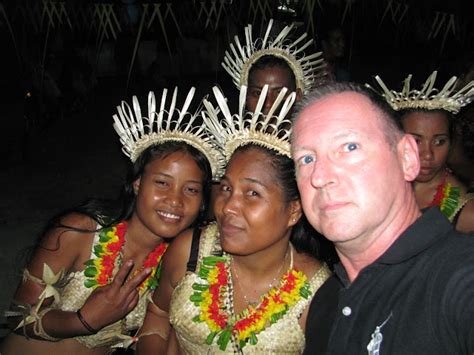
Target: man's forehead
pixel 343 105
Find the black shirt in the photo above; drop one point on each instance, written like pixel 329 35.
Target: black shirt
pixel 417 298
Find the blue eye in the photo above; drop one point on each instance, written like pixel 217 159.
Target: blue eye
pixel 306 159
pixel 351 146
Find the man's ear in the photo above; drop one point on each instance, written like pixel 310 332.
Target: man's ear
pixel 296 212
pixel 136 186
pixel 409 157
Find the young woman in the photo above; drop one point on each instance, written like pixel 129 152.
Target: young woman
pixel 243 284
pixel 429 116
pixel 85 289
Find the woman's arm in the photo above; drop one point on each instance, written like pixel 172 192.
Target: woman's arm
pixel 173 344
pixel 465 223
pixel 153 335
pixel 65 250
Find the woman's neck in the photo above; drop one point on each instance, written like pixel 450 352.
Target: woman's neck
pixel 139 240
pixel 264 263
pixel 426 191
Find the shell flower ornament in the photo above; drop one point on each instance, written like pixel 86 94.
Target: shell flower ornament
pixel 50 281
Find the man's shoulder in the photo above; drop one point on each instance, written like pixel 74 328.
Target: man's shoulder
pixel 455 243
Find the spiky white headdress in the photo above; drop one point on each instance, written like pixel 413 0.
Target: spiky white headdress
pixel 428 97
pixel 232 131
pixel 307 68
pixel 169 123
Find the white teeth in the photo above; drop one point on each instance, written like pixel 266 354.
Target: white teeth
pixel 168 215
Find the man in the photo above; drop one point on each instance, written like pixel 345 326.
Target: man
pixel 405 284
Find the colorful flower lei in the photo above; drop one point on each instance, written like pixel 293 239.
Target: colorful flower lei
pixel 447 198
pixel 251 321
pixel 99 270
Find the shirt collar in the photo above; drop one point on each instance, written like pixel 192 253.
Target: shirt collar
pixel 425 231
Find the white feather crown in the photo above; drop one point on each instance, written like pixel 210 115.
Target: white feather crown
pixel 428 97
pixel 232 131
pixel 168 123
pixel 238 61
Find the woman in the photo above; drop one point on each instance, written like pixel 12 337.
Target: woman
pixel 85 289
pixel 243 284
pixel 429 116
pixel 275 60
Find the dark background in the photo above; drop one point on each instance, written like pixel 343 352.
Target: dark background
pixel 65 66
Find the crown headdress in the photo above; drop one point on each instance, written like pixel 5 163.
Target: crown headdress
pixel 238 61
pixel 428 97
pixel 232 131
pixel 168 123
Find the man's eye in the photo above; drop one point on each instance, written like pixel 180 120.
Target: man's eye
pixel 306 159
pixel 350 147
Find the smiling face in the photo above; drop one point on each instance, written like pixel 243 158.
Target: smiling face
pixel 431 132
pixel 169 194
pixel 276 77
pixel 350 179
pixel 251 210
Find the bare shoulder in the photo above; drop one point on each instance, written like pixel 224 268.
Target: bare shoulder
pixel 67 244
pixel 177 256
pixel 308 264
pixel 75 225
pixel 454 181
pixel 466 218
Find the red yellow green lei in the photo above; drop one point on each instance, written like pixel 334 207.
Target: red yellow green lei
pixel 209 297
pixel 99 271
pixel 446 197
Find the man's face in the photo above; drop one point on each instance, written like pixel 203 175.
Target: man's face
pixel 347 174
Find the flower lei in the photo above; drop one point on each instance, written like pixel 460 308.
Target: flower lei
pixel 99 271
pixel 446 197
pixel 244 327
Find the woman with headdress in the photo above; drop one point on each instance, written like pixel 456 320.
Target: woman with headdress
pixel 278 61
pixel 85 289
pixel 244 283
pixel 429 115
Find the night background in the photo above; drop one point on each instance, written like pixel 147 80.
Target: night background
pixel 66 65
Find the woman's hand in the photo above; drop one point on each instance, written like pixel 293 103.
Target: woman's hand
pixel 108 304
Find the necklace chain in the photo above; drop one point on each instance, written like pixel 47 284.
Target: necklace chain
pixel 270 285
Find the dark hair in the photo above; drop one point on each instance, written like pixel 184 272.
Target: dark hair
pixel 303 237
pixel 106 212
pixel 270 61
pixel 389 123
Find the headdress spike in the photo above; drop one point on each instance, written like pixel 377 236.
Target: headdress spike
pixel 233 131
pixel 172 124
